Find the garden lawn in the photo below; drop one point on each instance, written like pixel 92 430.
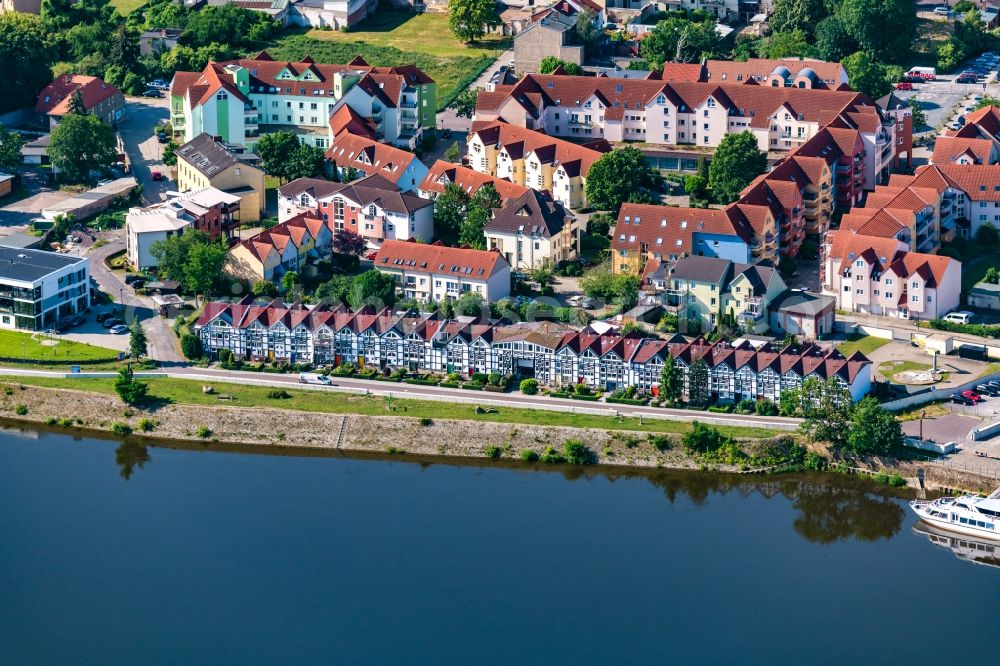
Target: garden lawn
pixel 186 391
pixel 866 344
pixel 390 38
pixel 126 7
pixel 25 345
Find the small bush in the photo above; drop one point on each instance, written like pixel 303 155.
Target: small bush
pixel 495 379
pixel 51 421
pixel 203 431
pixel 21 410
pixel 527 455
pixel 552 456
pixel 191 347
pixel 278 394
pixel 493 451
pixel 529 386
pixel 66 423
pixel 426 421
pixel 393 451
pixel 660 442
pixel 225 357
pixel 120 428
pixel 577 453
pixel 814 461
pixel 896 480
pixel 146 425
pixel 8 390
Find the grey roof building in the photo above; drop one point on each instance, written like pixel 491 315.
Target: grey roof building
pixel 39 288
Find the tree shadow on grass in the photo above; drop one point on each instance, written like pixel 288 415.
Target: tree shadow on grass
pixel 153 403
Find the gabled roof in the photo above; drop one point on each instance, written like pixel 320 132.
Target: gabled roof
pixel 370 156
pixel 980 181
pixel 669 230
pixel 55 98
pixel 519 142
pixel 948 149
pixel 823 74
pixel 346 119
pixel 530 214
pixel 439 259
pixel 209 156
pixel 701 269
pixel 444 173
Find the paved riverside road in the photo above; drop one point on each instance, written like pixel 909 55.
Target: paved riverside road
pixel 415 391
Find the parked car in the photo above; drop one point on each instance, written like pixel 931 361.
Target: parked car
pixel 162 137
pixel 446 133
pixel 158 84
pixel 118 329
pixel 156 175
pixel 958 317
pixel 966 78
pixel 973 396
pixel 103 316
pixel 152 92
pixel 960 399
pixel 109 323
pixel 75 320
pixel 942 11
pixel 905 85
pixel 986 389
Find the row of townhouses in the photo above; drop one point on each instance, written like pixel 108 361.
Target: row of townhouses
pixel 555 354
pixel 239 100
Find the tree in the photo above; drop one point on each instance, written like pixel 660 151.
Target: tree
pixel 737 161
pixel 785 45
pixel 452 153
pixel 191 347
pixel 671 381
pixel 992 275
pixel 449 213
pixel 478 213
pixel 832 41
pixel 27 52
pixel 137 339
pixel 372 288
pixel 791 15
pixel 76 104
pixel 885 28
pixel 124 50
pixel 873 429
pixel 264 288
pixel 172 253
pixel 278 151
pixel 11 143
pixel 746 47
pixel 548 64
pixel 347 242
pixel 470 304
pixel 529 386
pixel 703 439
pixel 335 290
pixel 130 389
pixel 305 162
pixel 469 20
pixel 203 266
pixel 987 235
pixel 227 24
pixel 699 388
pixel 289 280
pixel 465 103
pixel 80 145
pixel 615 176
pixel 587 32
pixel 917 113
pixel 680 40
pixel 868 76
pixel 826 408
pixel 170 153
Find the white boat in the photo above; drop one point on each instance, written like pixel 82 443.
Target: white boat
pixel 968 514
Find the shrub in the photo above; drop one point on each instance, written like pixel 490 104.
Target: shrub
pixel 278 394
pixel 21 410
pixel 426 421
pixel 7 390
pixel 66 423
pixel 393 451
pixel 191 347
pixel 529 386
pixel 147 425
pixel 552 456
pixel 51 421
pixel 660 442
pixel 495 379
pixel 120 428
pixel 703 439
pixel 745 407
pixel 479 378
pixel 203 431
pixel 814 461
pixel 766 407
pixel 527 455
pixel 582 389
pixel 896 480
pixel 493 451
pixel 225 357
pixel 577 453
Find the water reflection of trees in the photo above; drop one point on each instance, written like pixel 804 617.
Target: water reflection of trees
pixel 130 455
pixel 830 509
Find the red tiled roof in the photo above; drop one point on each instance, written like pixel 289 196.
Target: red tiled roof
pixel 349 150
pixel 470 180
pixel 574 158
pixel 668 230
pixel 980 181
pixel 421 258
pixel 346 119
pixel 55 97
pixel 949 148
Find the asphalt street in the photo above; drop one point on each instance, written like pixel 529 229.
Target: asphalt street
pixel 144 151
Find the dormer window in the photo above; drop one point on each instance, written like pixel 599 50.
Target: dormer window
pixel 711 103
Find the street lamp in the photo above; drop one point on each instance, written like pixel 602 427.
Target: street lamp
pixel 121 298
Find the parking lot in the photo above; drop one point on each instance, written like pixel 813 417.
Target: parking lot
pixel 944 100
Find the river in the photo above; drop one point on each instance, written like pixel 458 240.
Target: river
pixel 124 554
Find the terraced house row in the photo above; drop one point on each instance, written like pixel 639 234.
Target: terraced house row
pixel 555 354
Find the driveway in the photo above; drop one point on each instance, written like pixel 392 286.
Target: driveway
pixel 163 344
pixel 144 151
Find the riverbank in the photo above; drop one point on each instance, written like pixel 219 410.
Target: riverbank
pixel 388 427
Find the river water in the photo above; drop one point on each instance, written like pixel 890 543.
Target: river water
pixel 123 554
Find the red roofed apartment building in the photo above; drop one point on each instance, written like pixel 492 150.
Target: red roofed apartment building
pixel 372 207
pixel 241 99
pixel 437 272
pixel 100 99
pixel 368 157
pixel 879 276
pixel 443 173
pixel 552 353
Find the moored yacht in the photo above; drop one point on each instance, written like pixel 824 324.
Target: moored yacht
pixel 968 514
